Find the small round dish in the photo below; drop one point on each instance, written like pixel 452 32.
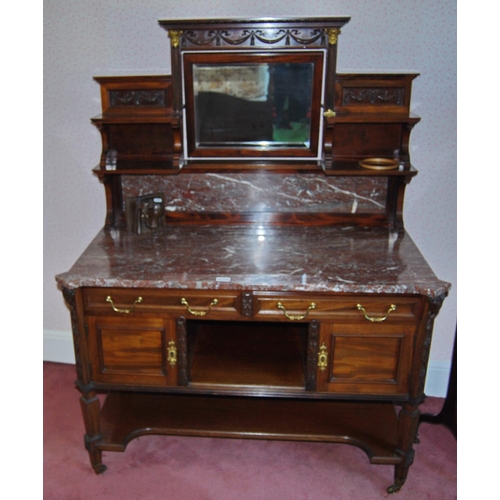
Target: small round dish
pixel 379 163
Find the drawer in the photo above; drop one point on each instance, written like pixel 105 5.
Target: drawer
pixel 189 303
pixel 370 308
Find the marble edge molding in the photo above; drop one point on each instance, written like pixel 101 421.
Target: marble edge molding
pixel 66 280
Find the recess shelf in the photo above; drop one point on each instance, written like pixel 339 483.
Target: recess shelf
pixel 230 354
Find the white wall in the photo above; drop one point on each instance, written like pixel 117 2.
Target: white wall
pixel 86 38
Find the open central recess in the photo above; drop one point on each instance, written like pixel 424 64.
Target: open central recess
pixel 247 354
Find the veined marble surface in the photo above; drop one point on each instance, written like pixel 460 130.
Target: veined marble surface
pixel 256 257
pixel 262 192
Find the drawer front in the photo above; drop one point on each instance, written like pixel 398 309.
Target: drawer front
pixel 362 358
pixel 190 303
pixel 369 308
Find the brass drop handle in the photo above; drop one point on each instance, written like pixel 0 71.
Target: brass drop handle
pixel 291 317
pixel 138 300
pixel 376 320
pixel 184 302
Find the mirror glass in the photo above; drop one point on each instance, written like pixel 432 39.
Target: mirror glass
pixel 259 105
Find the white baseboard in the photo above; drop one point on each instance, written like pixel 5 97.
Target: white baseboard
pixel 438 375
pixel 58 347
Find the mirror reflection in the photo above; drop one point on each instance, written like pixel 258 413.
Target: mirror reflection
pixel 266 104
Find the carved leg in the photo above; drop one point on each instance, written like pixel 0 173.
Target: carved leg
pixel 89 402
pixel 408 425
pixel 91 409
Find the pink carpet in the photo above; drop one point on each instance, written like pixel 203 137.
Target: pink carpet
pixel 187 468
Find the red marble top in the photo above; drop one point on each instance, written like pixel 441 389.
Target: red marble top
pixel 254 257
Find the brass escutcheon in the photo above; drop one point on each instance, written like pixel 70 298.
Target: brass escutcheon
pixel 172 353
pixel 322 358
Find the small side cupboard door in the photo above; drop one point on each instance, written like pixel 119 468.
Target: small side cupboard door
pixel 365 359
pixel 138 351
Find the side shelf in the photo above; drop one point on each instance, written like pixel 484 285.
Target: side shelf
pixel 139 128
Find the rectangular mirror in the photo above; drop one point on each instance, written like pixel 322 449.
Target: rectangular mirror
pixel 253 105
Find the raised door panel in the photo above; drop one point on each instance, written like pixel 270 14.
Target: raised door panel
pixel 139 351
pixel 371 359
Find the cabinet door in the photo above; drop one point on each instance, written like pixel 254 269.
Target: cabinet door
pixel 139 351
pixel 358 358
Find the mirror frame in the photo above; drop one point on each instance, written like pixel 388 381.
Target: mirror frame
pixel 313 151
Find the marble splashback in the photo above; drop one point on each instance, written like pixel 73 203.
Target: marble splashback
pixel 262 192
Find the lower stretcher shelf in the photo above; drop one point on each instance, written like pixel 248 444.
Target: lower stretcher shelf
pixel 372 426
